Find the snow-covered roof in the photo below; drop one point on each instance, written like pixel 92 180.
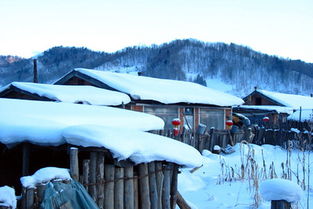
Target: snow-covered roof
pixel 161 90
pixel 289 100
pixel 119 130
pixel 72 94
pixel 306 115
pixel 280 189
pixel 278 109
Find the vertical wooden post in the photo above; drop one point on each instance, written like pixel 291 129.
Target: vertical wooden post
pixel 119 188
pixel 74 170
pixel 280 204
pixel 174 186
pixel 100 179
pixel 28 198
pixel 26 155
pixel 153 186
pixel 92 176
pixel 85 180
pixel 144 186
pixel 129 188
pixel 136 193
pixel 159 180
pixel 109 186
pixel 35 71
pixel 166 203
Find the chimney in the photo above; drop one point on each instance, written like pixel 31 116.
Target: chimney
pixel 35 78
pixel 255 88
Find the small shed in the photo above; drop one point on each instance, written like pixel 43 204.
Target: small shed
pixel 275 105
pixel 256 113
pixel 265 97
pixel 107 150
pixel 60 93
pixel 192 103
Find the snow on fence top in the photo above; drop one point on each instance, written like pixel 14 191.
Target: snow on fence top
pixel 72 94
pixel 280 189
pixel 289 100
pixel 7 197
pixel 45 175
pixel 119 130
pixel 162 90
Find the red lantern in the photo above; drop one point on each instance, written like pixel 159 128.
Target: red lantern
pixel 176 122
pixel 266 119
pixel 229 123
pixel 176 132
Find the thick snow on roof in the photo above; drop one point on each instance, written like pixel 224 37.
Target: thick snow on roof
pixel 45 175
pixel 119 130
pixel 44 121
pixel 306 115
pixel 7 197
pixel 73 94
pixel 289 100
pixel 138 146
pixel 280 189
pixel 278 109
pixel 162 90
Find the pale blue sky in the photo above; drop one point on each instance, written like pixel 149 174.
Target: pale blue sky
pixel 276 27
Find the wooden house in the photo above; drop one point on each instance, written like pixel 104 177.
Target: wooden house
pixel 192 103
pixel 106 149
pixel 60 93
pixel 275 105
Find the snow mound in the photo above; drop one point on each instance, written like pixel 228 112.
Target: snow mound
pixel 45 175
pixel 7 197
pixel 280 189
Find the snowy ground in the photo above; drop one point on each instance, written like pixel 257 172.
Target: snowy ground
pixel 220 184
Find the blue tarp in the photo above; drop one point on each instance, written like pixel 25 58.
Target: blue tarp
pixel 71 195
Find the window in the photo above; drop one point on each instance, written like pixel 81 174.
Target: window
pixel 212 118
pixel 166 113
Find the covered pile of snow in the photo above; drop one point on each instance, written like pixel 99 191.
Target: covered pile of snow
pixel 162 90
pixel 72 94
pixel 290 100
pixel 119 130
pixel 45 175
pixel 7 197
pixel 280 189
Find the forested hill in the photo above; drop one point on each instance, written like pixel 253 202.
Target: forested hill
pixel 228 67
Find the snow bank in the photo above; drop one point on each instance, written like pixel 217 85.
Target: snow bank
pixel 7 197
pixel 162 90
pixel 45 175
pixel 280 189
pixel 140 147
pixel 72 94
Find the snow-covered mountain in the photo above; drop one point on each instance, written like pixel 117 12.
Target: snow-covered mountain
pixel 227 67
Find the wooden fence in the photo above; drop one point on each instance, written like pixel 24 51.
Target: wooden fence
pixel 207 140
pixel 119 185
pixel 284 138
